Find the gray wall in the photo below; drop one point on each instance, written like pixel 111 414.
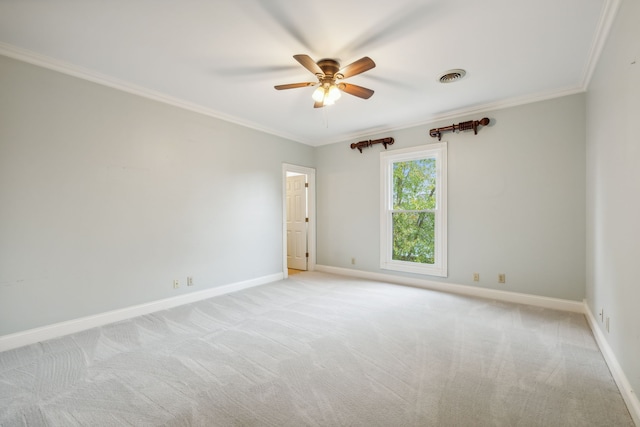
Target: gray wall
pixel 613 183
pixel 516 200
pixel 106 197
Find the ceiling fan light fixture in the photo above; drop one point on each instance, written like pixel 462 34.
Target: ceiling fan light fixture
pixel 452 75
pixel 327 93
pixel 334 93
pixel 318 94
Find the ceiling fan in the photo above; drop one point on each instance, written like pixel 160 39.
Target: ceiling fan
pixel 330 77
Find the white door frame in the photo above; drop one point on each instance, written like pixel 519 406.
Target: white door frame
pixel 311 203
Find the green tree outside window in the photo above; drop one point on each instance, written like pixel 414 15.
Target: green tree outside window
pixel 414 202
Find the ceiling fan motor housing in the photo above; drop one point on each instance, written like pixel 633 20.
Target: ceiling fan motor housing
pixel 330 68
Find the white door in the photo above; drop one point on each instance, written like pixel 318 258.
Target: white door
pixel 297 222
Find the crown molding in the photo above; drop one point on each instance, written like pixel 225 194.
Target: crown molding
pixel 93 76
pixel 467 111
pixel 607 17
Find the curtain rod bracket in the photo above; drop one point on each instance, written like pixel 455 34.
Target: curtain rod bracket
pixel 470 125
pixel 364 144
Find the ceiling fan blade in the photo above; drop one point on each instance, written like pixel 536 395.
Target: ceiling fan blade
pixel 309 64
pixel 355 90
pixel 294 85
pixel 393 26
pixel 284 18
pixel 360 66
pixel 318 104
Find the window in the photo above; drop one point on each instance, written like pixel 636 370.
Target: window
pixel 413 233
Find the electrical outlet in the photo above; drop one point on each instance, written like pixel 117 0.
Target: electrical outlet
pixel 476 277
pixel 502 278
pixel 189 281
pixel 176 284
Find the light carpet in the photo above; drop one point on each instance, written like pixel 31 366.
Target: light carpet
pixel 319 350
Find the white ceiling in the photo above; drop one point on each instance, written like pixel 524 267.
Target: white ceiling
pixel 223 58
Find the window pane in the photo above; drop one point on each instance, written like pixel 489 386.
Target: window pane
pixel 414 184
pixel 414 237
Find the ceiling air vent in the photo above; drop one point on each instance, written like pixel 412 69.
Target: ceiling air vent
pixel 452 76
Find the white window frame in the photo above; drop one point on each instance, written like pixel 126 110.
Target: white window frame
pixel 437 151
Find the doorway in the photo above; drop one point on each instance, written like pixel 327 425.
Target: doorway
pixel 298 212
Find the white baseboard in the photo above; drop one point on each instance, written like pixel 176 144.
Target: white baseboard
pixel 629 396
pixel 535 300
pixel 32 336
